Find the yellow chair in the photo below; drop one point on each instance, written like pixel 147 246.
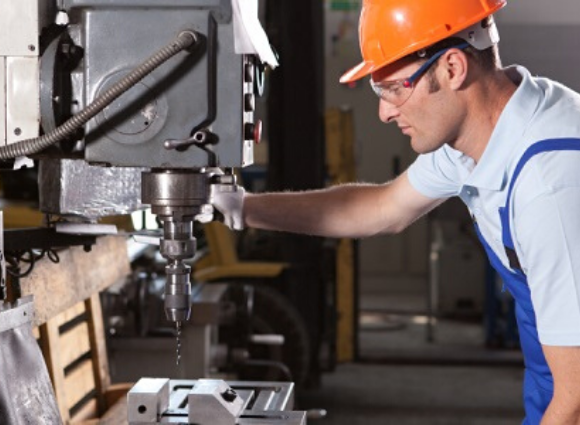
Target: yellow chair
pixel 222 262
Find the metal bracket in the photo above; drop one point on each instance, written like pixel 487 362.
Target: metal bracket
pixel 16 314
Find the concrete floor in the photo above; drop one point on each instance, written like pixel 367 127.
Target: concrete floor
pixel 363 394
pixel 403 379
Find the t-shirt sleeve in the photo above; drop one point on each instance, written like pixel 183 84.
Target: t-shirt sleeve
pixel 435 174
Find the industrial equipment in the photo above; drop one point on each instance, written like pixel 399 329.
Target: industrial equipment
pixel 125 104
pixel 205 401
pixel 107 93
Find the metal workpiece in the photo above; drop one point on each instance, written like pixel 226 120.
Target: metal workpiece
pixel 212 402
pixel 147 400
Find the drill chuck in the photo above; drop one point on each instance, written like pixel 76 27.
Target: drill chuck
pixel 176 196
pixel 177 292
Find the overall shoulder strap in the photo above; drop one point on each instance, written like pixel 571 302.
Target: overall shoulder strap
pixel 548 145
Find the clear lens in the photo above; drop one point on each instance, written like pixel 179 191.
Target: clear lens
pixel 394 92
pixel 397 92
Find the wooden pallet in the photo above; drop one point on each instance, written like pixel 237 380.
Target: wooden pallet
pixel 71 333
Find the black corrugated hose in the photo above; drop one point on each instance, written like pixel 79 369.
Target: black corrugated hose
pixel 183 41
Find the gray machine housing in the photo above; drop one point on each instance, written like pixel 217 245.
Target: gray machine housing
pixel 72 187
pixel 210 88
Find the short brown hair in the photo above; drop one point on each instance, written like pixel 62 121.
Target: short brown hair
pixel 487 60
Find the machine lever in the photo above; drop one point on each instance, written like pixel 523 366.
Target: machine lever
pixel 201 139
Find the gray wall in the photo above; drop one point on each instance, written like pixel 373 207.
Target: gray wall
pixel 547 50
pixel 543 36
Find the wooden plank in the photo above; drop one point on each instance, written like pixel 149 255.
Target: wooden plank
pixel 116 415
pixel 345 299
pixel 79 383
pixel 76 277
pixel 70 313
pixel 117 393
pixel 74 343
pixel 342 168
pixel 333 136
pixel 98 349
pixel 88 411
pixel 49 343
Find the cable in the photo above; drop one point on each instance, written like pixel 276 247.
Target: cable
pixel 183 41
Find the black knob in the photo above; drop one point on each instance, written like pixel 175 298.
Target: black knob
pixel 253 131
pixel 229 395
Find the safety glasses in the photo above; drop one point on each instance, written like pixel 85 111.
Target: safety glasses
pixel 397 92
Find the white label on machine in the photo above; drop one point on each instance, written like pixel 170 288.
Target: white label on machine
pixel 249 36
pixel 2 100
pixel 22 98
pixel 19 23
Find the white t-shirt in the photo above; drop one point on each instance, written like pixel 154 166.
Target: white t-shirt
pixel 545 206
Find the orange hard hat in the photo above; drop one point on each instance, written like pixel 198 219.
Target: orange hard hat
pixel 391 29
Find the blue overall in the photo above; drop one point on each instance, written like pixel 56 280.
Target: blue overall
pixel 538 381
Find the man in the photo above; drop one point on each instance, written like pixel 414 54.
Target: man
pixel 506 143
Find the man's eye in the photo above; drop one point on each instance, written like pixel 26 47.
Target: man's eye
pixel 393 89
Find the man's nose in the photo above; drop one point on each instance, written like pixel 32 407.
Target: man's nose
pixel 387 111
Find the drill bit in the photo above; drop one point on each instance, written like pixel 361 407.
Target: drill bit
pixel 178 328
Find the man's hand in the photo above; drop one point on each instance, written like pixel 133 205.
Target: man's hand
pixel 227 201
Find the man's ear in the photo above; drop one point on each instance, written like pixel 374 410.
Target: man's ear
pixel 455 65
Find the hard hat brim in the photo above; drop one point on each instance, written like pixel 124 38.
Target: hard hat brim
pixel 373 48
pixel 359 71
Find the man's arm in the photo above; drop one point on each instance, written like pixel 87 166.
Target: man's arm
pixel 564 408
pixel 350 210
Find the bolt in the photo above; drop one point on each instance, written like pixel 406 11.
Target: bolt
pixel 17 131
pixel 31 47
pixel 229 395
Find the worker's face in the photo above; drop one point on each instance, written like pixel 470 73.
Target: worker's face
pixel 425 112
